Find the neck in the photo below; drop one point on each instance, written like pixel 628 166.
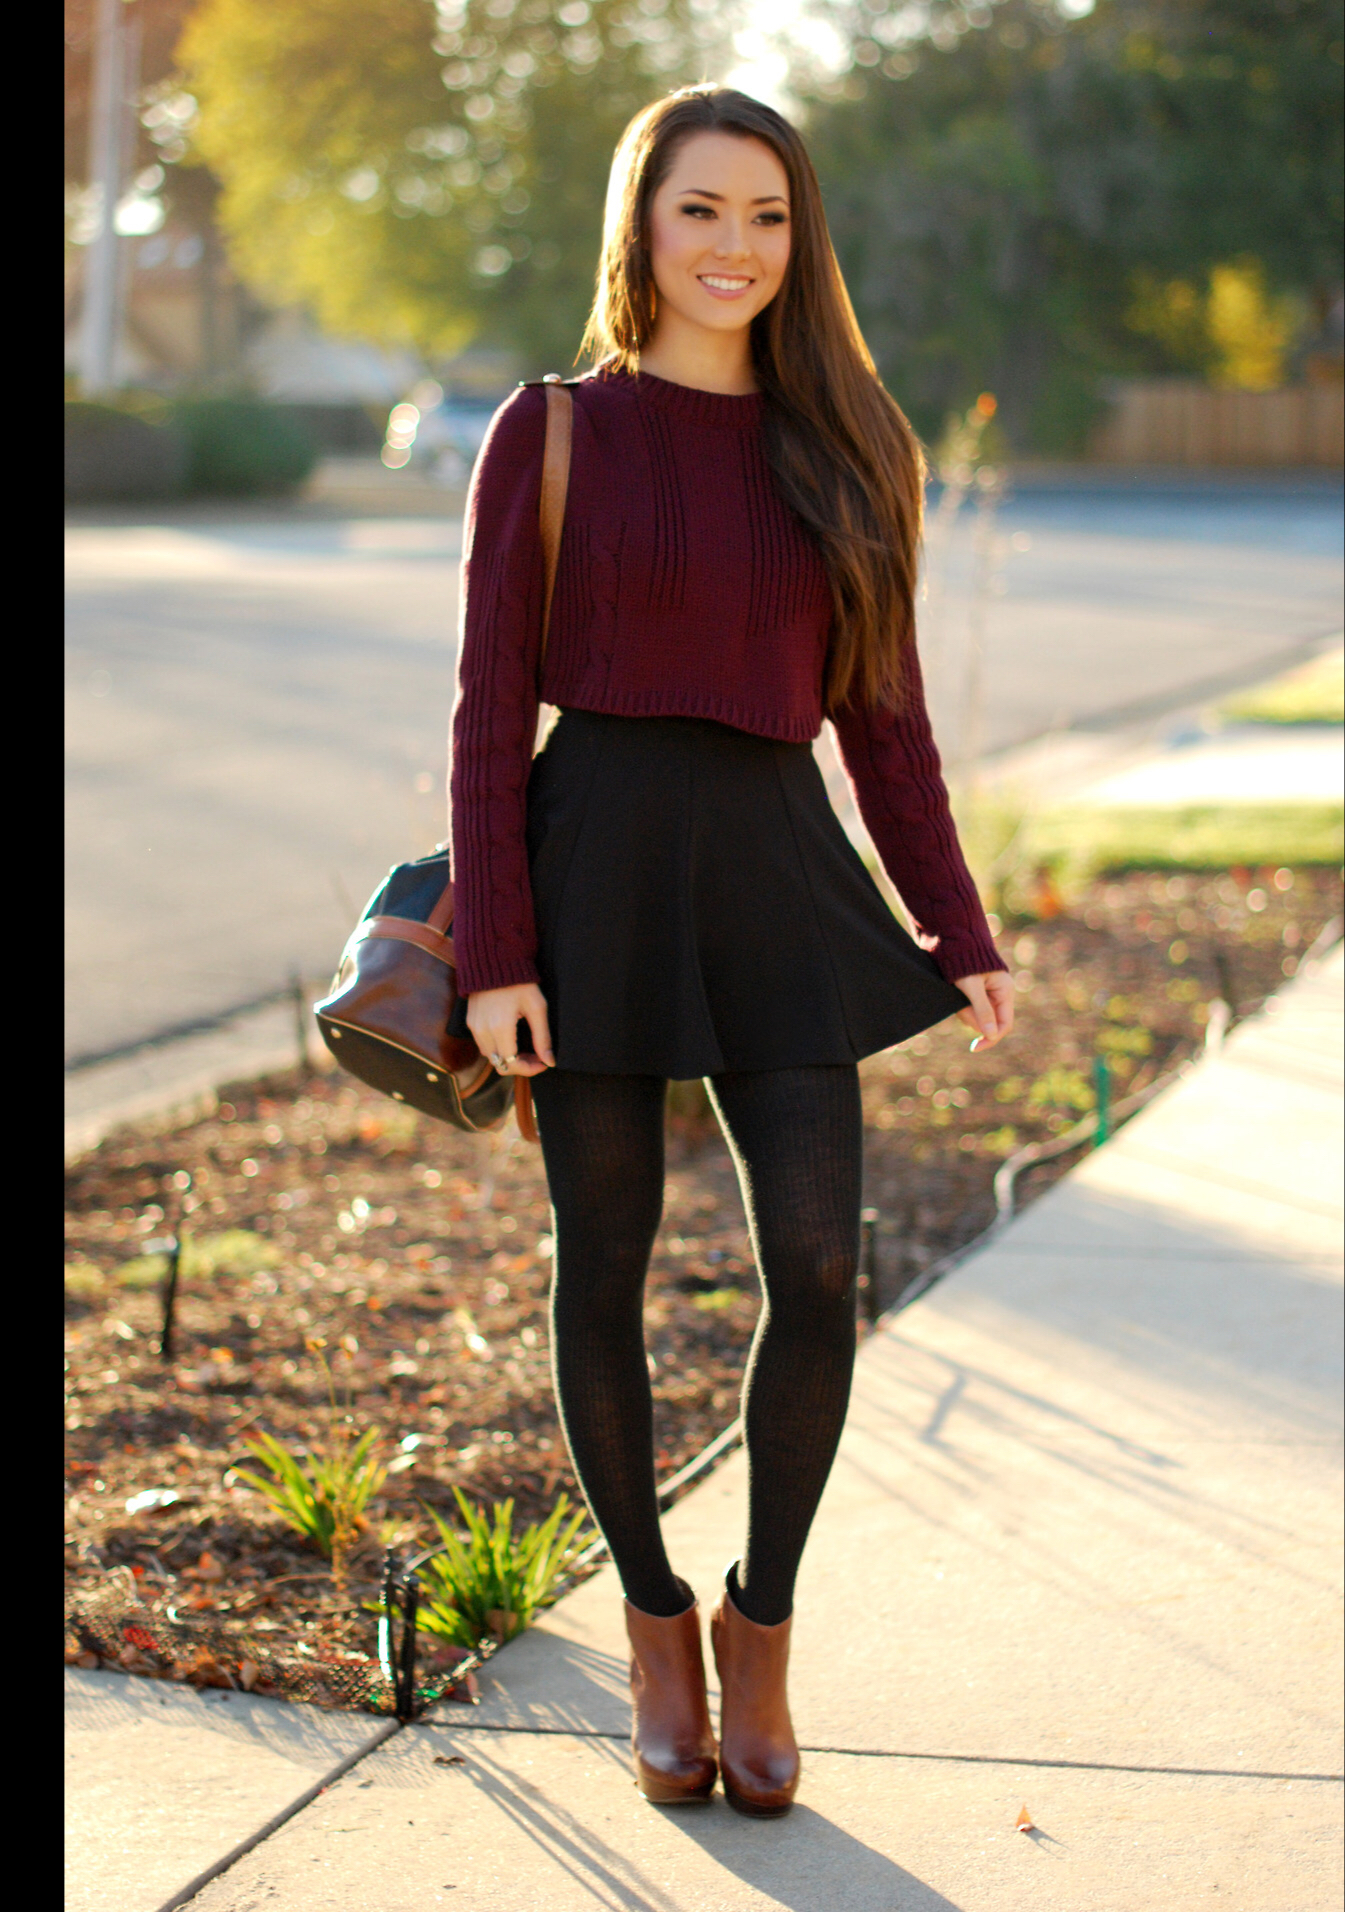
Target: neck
pixel 709 361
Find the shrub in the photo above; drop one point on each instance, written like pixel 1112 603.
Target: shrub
pixel 114 453
pixel 492 1581
pixel 322 1496
pixel 243 447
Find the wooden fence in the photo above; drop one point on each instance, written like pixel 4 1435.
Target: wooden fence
pixel 1180 422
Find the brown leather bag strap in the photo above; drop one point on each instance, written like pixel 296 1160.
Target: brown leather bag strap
pixel 527 1122
pixel 555 484
pixel 441 916
pixel 400 929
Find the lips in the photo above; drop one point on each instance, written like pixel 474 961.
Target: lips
pixel 725 284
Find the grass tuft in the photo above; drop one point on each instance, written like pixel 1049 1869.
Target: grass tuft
pixel 324 1494
pixel 489 1581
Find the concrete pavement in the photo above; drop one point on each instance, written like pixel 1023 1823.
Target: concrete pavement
pixel 1080 1552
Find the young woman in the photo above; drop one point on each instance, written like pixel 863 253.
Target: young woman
pixel 665 891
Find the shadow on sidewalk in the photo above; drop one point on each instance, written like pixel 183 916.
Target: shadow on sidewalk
pixel 802 1862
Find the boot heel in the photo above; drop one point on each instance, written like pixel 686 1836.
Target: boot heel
pixel 663 1792
pixel 751 1809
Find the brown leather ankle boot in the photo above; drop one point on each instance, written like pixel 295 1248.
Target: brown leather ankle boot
pixel 758 1756
pixel 671 1736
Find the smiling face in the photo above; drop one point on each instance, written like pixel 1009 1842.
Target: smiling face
pixel 719 232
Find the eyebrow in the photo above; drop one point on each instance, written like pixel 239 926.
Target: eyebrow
pixel 765 200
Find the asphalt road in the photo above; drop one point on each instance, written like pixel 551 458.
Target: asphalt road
pixel 258 708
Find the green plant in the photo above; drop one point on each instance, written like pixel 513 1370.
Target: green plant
pixel 1081 841
pixel 242 446
pixel 123 452
pixel 492 1581
pixel 84 1280
pixel 234 1251
pixel 324 1494
pixel 1061 1088
pixel 717 1300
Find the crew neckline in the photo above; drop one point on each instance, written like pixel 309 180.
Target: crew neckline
pixel 741 409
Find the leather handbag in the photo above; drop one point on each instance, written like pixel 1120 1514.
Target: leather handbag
pixel 393 1016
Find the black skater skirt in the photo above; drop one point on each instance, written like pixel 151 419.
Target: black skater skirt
pixel 700 908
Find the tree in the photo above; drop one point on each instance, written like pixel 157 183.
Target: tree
pixel 429 175
pixel 1015 193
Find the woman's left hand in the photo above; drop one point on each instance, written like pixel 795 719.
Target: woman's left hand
pixel 990 1010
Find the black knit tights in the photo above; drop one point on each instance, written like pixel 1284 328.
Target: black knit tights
pixel 796 1138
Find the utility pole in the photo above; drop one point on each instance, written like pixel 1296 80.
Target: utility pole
pixel 107 133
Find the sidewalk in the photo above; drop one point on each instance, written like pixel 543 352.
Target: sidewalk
pixel 1080 1552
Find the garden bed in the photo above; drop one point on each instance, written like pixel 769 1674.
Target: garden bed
pixel 326 1227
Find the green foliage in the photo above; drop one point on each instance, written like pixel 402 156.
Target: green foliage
pixel 142 1271
pixel 1024 203
pixel 1232 332
pixel 1314 693
pixel 1080 842
pixel 1061 1088
pixel 121 452
pixel 429 174
pixel 322 1496
pixel 717 1300
pixel 234 1251
pixel 84 1281
pixel 242 447
pixel 142 447
pixel 492 1581
pixel 1125 1042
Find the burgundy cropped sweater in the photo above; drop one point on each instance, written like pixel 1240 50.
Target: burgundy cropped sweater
pixel 686 587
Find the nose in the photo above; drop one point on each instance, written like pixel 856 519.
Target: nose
pixel 731 243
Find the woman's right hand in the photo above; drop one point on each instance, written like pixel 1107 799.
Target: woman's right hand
pixel 493 1016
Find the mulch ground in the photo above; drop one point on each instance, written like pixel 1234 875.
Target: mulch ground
pixel 324 1224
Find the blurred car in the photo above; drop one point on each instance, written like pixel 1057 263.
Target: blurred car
pixel 436 432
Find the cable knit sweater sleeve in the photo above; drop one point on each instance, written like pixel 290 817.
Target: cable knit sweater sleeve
pixel 893 765
pixel 495 709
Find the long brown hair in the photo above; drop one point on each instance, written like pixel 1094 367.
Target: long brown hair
pixel 843 454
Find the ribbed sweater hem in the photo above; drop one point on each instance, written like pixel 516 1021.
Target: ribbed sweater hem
pixel 959 956
pixel 686 703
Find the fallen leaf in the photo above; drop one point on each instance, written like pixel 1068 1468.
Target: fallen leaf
pixel 449 1759
pixel 203 1669
pixel 248 1674
pixel 442 1653
pixel 85 1658
pixel 206 1568
pixel 1023 1823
